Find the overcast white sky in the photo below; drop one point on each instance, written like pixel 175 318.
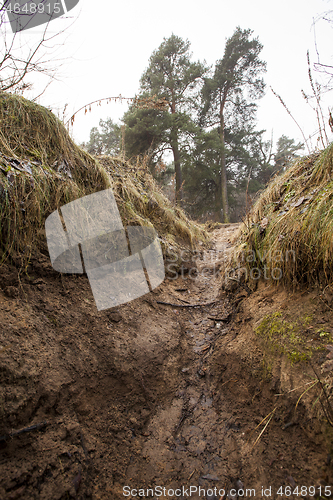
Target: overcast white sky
pixel 109 43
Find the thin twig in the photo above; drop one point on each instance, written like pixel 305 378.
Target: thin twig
pixel 230 380
pixel 190 476
pixel 186 305
pixel 295 389
pixel 263 420
pixel 306 390
pixel 289 113
pixel 35 427
pixel 322 129
pixel 220 319
pixel 261 433
pixel 328 412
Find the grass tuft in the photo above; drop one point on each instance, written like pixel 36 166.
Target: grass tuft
pixel 288 235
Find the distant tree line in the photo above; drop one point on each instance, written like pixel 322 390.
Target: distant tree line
pixel 204 141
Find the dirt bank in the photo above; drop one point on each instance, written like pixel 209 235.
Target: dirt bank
pixel 156 393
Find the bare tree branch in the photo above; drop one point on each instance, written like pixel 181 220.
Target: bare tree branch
pixel 19 60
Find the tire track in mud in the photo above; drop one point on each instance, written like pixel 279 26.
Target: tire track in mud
pixel 190 441
pixel 143 396
pixel 205 437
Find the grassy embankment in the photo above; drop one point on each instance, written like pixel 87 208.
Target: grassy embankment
pixel 288 235
pixel 287 239
pixel 41 169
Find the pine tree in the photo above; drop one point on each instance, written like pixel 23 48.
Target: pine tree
pixel 285 151
pixel 236 79
pixel 172 76
pixel 104 140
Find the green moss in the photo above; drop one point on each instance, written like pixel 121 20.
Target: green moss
pixel 324 335
pixel 307 320
pixel 297 356
pixel 285 338
pixel 289 195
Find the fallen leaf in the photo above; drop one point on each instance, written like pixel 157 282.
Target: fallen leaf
pixel 298 202
pixel 210 477
pixel 291 481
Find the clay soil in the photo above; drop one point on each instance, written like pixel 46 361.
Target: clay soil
pixel 154 395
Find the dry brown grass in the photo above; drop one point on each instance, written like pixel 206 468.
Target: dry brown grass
pixel 41 169
pixel 290 228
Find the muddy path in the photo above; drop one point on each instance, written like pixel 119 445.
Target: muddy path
pixel 152 399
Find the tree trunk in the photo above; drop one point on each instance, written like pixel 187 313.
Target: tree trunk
pixel 176 156
pixel 223 172
pixel 217 201
pixel 178 172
